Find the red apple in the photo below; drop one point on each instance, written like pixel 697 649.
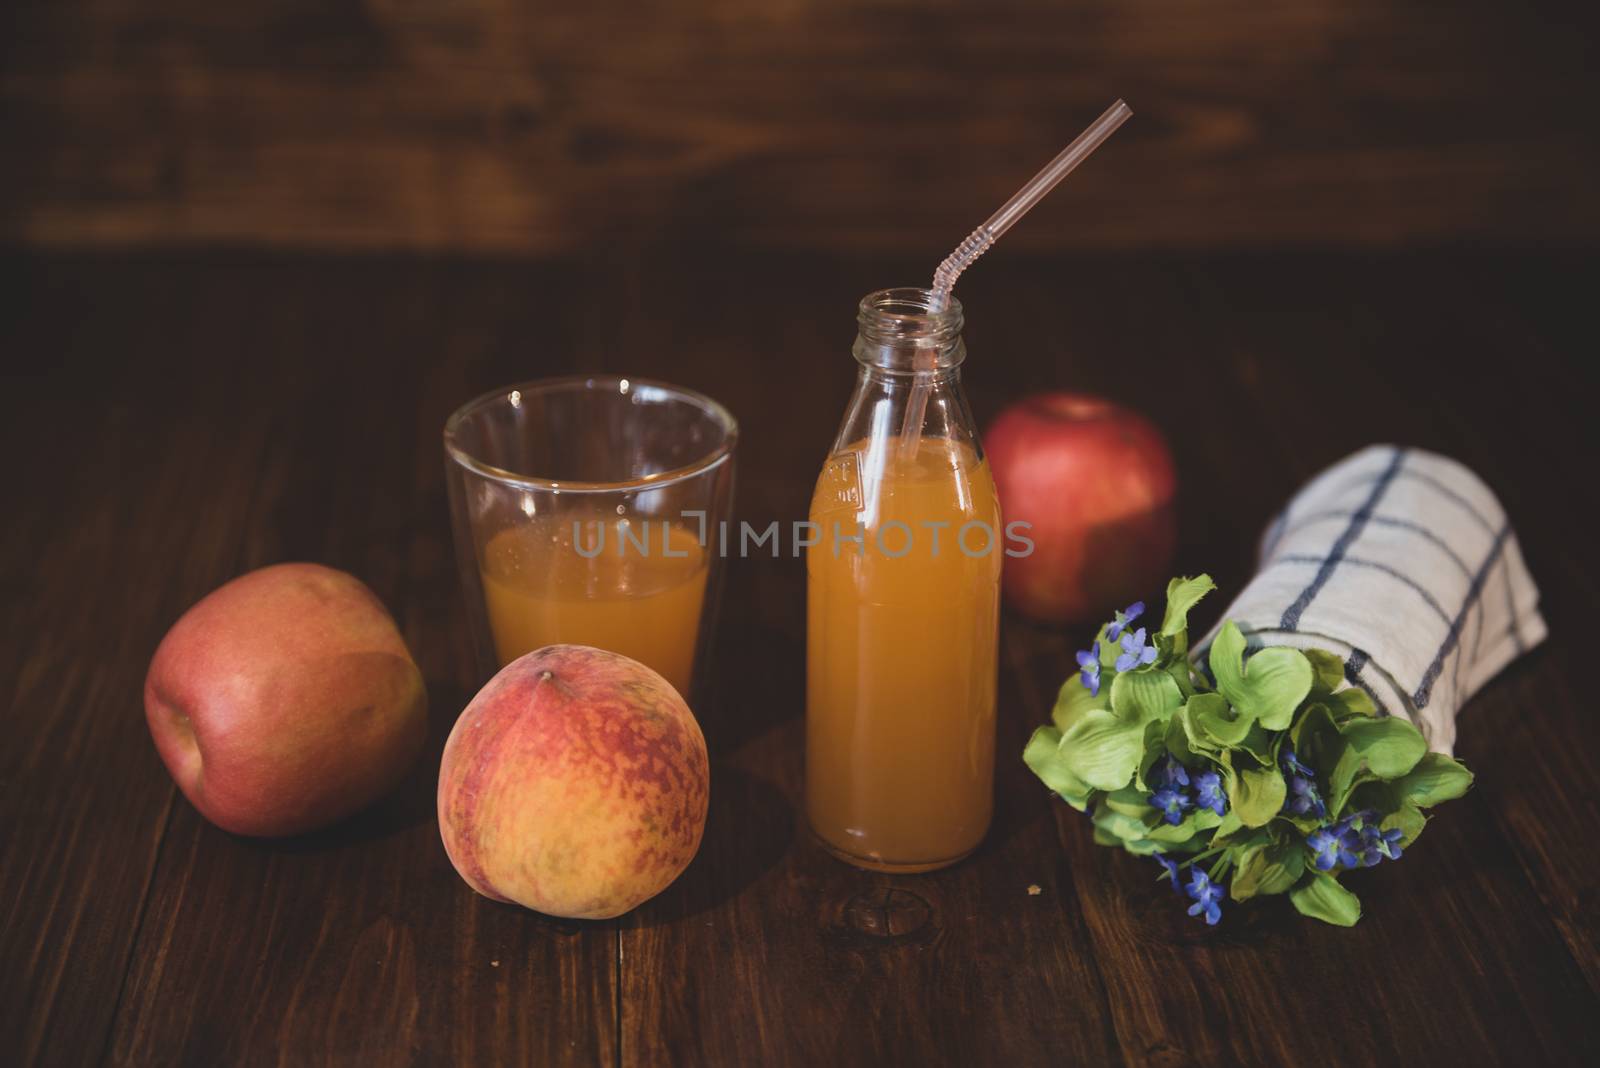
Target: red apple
pixel 1096 483
pixel 575 783
pixel 285 700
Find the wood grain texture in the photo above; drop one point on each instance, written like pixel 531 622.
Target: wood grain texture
pixel 95 567
pixel 1281 337
pixel 177 419
pixel 495 125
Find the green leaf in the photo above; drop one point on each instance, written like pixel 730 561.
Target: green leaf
pixel 1316 739
pixel 1142 847
pixel 1258 742
pixel 1242 840
pixel 1269 868
pixel 1319 745
pixel 1348 773
pixel 1177 740
pixel 1043 755
pixel 1322 898
pixel 1101 750
pixel 1436 778
pixel 1113 828
pixel 1256 794
pixel 1194 738
pixel 1177 834
pixel 1182 595
pixel 1229 828
pixel 1170 836
pixel 1391 747
pixel 1109 652
pixel 1155 747
pixel 1270 688
pixel 1141 697
pixel 1227 655
pixel 1073 700
pixel 1217 721
pixel 1123 827
pixel 1306 824
pixel 1130 801
pixel 1172 656
pixel 1352 701
pixel 1371 794
pixel 1409 819
pixel 1327 670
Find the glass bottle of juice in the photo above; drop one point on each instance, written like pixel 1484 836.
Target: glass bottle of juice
pixel 903 605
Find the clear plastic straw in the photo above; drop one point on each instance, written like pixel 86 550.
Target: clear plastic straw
pixel 980 240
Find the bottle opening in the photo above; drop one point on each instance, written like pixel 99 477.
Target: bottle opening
pixel 899 325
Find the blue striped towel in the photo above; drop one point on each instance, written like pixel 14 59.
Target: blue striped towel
pixel 1403 563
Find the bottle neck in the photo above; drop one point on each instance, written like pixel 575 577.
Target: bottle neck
pixel 903 333
pixel 910 356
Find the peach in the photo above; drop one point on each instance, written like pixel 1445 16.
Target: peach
pixel 575 783
pixel 285 700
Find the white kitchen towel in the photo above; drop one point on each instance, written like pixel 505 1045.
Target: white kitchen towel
pixel 1402 563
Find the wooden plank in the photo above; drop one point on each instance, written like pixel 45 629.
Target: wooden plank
pixel 1513 358
pixel 359 944
pixel 769 951
pixel 823 124
pixel 94 562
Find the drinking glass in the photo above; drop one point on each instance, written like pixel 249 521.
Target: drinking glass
pixel 586 511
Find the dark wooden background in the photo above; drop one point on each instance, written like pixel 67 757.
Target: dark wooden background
pixel 885 125
pixel 254 253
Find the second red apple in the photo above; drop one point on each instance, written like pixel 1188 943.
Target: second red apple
pixel 1096 483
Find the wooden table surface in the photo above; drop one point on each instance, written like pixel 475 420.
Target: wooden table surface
pixel 174 420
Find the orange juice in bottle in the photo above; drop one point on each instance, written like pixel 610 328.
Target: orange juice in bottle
pixel 903 602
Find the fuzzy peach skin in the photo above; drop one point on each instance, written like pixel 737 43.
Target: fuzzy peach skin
pixel 285 700
pixel 575 783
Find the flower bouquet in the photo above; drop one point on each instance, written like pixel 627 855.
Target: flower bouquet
pixel 1263 773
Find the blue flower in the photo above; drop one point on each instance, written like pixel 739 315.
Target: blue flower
pixel 1089 669
pixel 1356 841
pixel 1135 653
pixel 1376 844
pixel 1350 827
pixel 1208 788
pixel 1325 847
pixel 1304 800
pixel 1350 822
pixel 1336 845
pixel 1172 870
pixel 1291 764
pixel 1389 842
pixel 1128 615
pixel 1206 896
pixel 1168 772
pixel 1170 802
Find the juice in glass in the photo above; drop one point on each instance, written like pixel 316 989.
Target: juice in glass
pixel 546 582
pixel 581 509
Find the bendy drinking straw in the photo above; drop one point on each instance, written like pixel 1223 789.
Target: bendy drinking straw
pixel 979 241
